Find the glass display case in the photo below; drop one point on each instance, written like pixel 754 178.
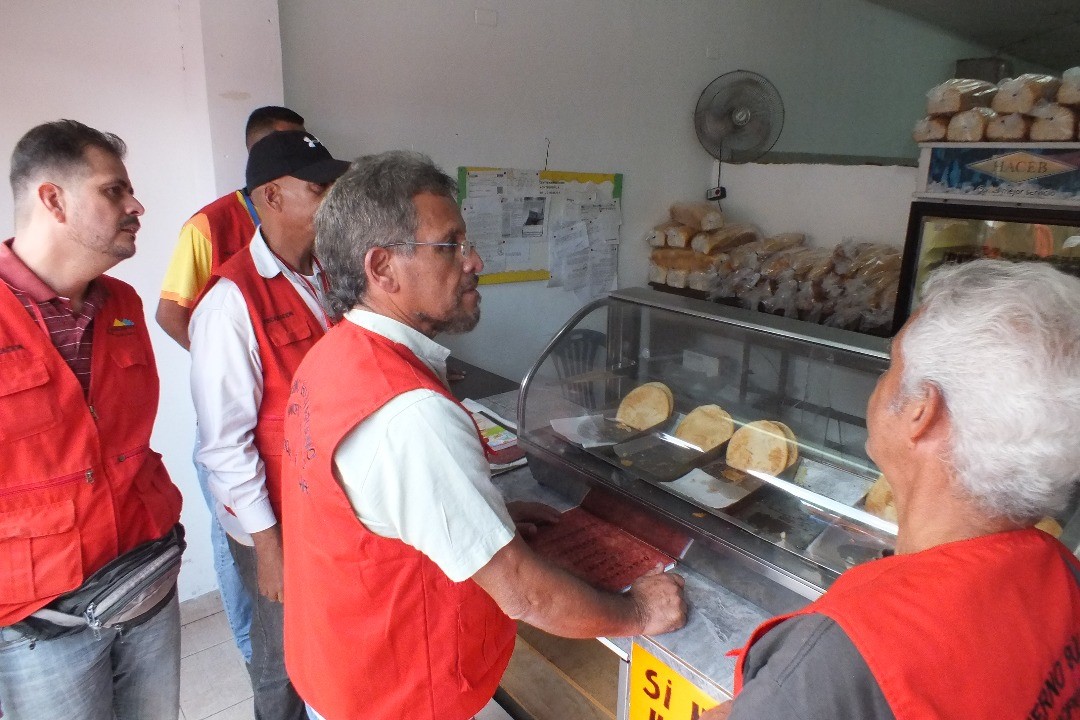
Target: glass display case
pixel 784 496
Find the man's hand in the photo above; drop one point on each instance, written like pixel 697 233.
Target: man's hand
pixel 659 597
pixel 269 563
pixel 527 516
pixel 720 712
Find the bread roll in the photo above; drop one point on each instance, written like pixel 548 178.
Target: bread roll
pixel 679 236
pixel 657 237
pixel 1020 94
pixel 1013 126
pixel 1054 123
pixel 698 215
pixel 657 274
pixel 970 125
pixel 1049 525
pixel 793 442
pixel 678 277
pixel 726 238
pixel 879 500
pixel 646 406
pixel 703 280
pixel 760 445
pixel 706 427
pixel 957 95
pixel 1069 92
pixel 930 129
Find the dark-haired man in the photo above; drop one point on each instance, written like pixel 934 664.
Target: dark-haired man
pixel 80 485
pixel 209 238
pixel 261 311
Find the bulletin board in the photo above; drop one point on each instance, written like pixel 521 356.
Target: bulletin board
pixel 536 225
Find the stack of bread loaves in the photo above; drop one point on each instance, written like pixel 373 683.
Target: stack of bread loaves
pixel 686 245
pixel 1039 108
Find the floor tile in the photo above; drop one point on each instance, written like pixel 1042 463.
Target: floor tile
pixel 240 711
pixel 205 632
pixel 213 680
pixel 199 607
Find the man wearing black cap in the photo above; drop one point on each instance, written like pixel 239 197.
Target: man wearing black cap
pixel 260 313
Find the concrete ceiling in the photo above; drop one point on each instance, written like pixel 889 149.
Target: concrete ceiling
pixel 1044 32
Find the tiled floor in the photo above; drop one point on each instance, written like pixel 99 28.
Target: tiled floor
pixel 214 683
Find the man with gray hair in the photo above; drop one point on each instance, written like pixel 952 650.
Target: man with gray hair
pixel 974 424
pixel 403 568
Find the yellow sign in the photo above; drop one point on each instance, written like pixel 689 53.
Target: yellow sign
pixel 659 693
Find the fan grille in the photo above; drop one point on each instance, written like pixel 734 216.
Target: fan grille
pixel 739 116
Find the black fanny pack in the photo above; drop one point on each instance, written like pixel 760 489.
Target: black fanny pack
pixel 126 592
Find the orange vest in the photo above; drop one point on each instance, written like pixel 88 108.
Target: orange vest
pixel 373 628
pixel 981 628
pixel 229 224
pixel 80 484
pixel 285 330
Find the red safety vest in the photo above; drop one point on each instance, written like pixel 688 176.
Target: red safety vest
pixel 285 330
pixel 373 628
pixel 228 223
pixel 80 484
pixel 981 628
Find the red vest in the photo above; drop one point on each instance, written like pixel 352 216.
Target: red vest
pixel 982 628
pixel 373 628
pixel 285 330
pixel 228 224
pixel 80 484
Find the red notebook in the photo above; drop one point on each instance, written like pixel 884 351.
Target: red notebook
pixel 597 551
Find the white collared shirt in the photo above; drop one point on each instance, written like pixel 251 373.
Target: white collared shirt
pixel 415 469
pixel 227 388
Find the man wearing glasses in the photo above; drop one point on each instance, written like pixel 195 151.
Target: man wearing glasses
pixel 403 566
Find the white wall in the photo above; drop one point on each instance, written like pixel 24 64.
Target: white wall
pixel 612 84
pixel 139 68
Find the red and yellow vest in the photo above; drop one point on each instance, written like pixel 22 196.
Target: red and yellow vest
pixel 373 628
pixel 228 223
pixel 285 330
pixel 80 485
pixel 980 628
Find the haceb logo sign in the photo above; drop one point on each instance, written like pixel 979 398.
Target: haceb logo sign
pixel 1018 167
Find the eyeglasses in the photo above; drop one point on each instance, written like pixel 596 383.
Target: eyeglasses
pixel 465 247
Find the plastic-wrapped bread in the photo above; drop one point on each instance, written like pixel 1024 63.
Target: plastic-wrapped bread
pixel 930 129
pixel 679 236
pixel 702 280
pixel 657 236
pixel 657 274
pixel 1013 126
pixel 783 241
pixel 724 239
pixel 970 125
pixel 1055 123
pixel 1069 92
pixel 1020 94
pixel 698 215
pixel 957 95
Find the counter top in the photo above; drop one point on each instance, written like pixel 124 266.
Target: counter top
pixel 718 620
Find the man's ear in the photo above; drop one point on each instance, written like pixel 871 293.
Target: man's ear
pixel 926 415
pixel 381 270
pixel 51 196
pixel 270 195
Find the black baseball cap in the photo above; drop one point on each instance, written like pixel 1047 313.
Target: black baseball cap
pixel 295 153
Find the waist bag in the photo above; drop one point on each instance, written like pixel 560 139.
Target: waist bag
pixel 125 592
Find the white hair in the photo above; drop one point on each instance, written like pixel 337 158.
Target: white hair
pixel 1001 341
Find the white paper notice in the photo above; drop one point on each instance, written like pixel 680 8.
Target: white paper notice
pixel 568 256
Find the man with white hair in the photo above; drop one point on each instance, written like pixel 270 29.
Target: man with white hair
pixel 977 615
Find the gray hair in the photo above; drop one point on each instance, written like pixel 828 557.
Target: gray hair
pixel 1001 341
pixel 371 205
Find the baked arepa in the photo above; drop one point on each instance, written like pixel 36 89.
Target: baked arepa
pixel 879 500
pixel 760 445
pixel 793 442
pixel 706 427
pixel 646 406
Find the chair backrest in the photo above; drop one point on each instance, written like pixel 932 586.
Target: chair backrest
pixel 576 355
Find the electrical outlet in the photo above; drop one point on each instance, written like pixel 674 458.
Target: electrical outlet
pixel 716 193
